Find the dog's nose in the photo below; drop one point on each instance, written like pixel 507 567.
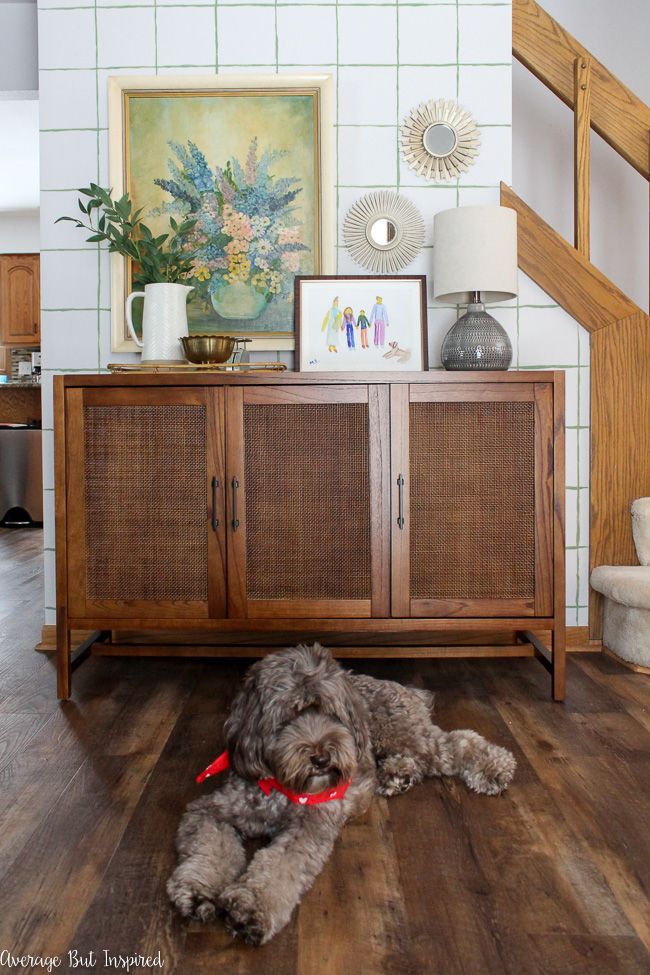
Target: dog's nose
pixel 320 761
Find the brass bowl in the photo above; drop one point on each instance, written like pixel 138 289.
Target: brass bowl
pixel 208 348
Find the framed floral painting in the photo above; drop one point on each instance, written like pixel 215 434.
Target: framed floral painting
pixel 352 323
pixel 247 158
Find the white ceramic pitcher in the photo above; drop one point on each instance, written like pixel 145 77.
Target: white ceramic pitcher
pixel 164 321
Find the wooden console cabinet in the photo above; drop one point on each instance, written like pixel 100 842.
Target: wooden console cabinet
pixel 381 509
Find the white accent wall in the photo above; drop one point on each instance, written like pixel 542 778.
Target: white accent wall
pixel 385 59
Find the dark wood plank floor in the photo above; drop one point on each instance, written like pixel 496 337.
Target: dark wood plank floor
pixel 550 878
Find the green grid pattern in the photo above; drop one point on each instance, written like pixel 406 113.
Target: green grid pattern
pixel 576 547
pixel 92 355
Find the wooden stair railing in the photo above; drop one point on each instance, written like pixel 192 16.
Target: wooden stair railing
pixel 562 271
pixel 550 53
pixel 620 330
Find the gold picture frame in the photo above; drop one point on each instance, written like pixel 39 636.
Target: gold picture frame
pixel 153 146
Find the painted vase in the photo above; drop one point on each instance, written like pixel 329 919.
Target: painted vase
pixel 238 300
pixel 164 321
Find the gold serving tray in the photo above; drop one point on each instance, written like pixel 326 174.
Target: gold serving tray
pixel 195 367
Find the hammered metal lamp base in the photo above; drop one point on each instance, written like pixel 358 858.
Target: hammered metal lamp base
pixel 476 341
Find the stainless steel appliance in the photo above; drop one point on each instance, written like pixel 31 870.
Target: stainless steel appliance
pixel 21 475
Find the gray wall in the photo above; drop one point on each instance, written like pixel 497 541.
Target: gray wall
pixel 20 232
pixel 18 46
pixel 19 227
pixel 618 35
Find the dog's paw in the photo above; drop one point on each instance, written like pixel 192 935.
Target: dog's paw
pixel 190 898
pixel 396 774
pixel 244 916
pixel 394 785
pixel 494 774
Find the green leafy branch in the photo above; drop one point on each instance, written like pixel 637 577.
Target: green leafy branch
pixel 158 260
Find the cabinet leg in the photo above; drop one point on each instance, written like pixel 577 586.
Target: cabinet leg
pixel 558 646
pixel 554 660
pixel 63 662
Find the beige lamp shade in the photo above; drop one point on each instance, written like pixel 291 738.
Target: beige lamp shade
pixel 475 249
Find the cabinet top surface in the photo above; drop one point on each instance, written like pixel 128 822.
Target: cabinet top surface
pixel 303 378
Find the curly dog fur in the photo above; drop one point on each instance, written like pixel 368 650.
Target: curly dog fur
pixel 303 719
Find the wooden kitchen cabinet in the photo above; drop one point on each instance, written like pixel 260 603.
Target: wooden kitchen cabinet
pixel 20 299
pixel 393 514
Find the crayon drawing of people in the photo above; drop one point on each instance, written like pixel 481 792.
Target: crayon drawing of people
pixel 350 325
pixel 364 325
pixel 332 325
pixel 379 318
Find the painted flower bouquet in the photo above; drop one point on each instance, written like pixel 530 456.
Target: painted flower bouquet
pixel 245 242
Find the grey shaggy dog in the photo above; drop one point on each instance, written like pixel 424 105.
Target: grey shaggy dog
pixel 303 719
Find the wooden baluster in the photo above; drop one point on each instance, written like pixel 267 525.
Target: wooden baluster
pixel 581 161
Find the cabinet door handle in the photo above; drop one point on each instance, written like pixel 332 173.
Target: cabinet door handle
pixel 235 519
pixel 400 490
pixel 215 520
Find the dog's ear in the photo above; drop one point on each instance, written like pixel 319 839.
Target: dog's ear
pixel 356 716
pixel 244 737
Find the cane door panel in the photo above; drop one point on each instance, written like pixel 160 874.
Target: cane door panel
pixel 472 500
pixel 308 501
pixel 146 534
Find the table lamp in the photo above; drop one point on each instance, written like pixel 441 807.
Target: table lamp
pixel 475 261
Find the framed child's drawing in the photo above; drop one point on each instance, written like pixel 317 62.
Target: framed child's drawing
pixel 250 159
pixel 359 324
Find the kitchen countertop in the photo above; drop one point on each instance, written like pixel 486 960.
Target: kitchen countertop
pixel 20 402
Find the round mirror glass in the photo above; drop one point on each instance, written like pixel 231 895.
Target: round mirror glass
pixel 382 232
pixel 440 139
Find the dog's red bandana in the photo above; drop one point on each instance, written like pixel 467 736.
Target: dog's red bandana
pixel 304 798
pixel 221 763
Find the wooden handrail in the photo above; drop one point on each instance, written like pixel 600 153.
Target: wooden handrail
pixel 550 52
pixel 563 273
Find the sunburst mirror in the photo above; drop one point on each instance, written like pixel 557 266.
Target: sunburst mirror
pixel 439 140
pixel 383 232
